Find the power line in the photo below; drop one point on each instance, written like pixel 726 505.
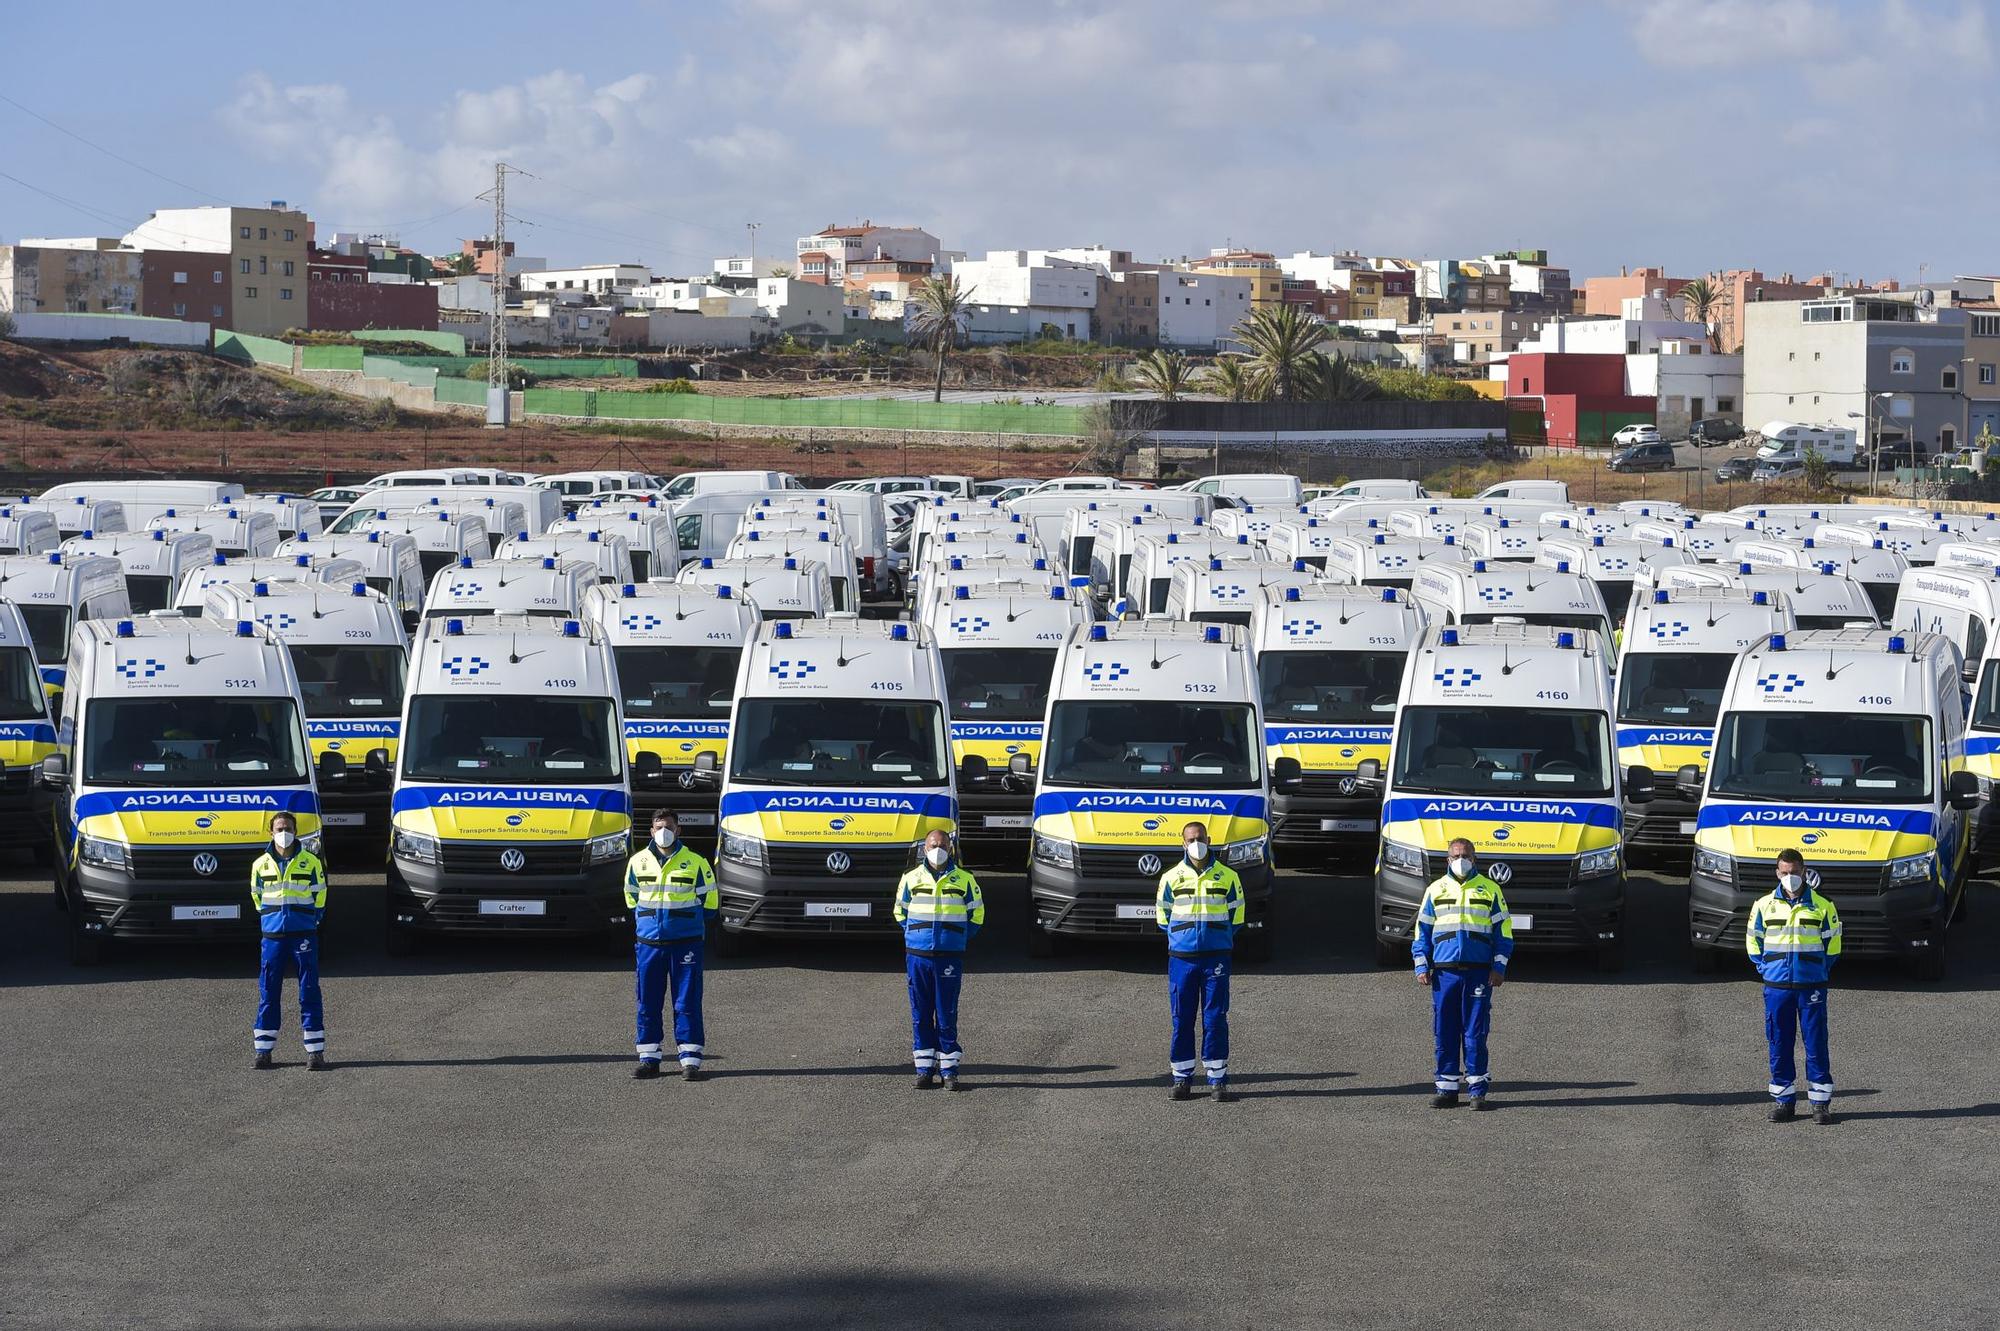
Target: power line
pixel 597 197
pixel 136 166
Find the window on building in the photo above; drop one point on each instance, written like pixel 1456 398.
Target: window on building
pixel 215 311
pixel 1902 361
pixel 180 311
pixel 1789 399
pixel 284 293
pixel 1986 325
pixel 1791 355
pixel 1631 346
pixel 242 265
pixel 1725 404
pixel 1948 379
pixel 244 232
pixel 263 233
pixel 1206 301
pixel 250 293
pixel 263 265
pixel 180 279
pixel 291 234
pixel 1986 374
pixel 288 268
pixel 217 275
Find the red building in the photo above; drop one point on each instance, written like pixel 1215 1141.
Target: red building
pixel 340 297
pixel 185 285
pixel 1570 399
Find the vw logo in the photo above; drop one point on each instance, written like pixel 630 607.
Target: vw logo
pixel 686 779
pixel 512 860
pixel 1812 879
pixel 206 864
pixel 1149 865
pixel 1348 785
pixel 838 862
pixel 1500 872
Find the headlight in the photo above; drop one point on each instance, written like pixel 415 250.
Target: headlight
pixel 1054 853
pixel 604 848
pixel 1244 852
pixel 103 854
pixel 1912 868
pixel 415 846
pixel 1597 863
pixel 1714 864
pixel 1396 855
pixel 742 849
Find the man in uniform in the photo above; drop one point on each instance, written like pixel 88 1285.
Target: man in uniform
pixel 940 907
pixel 671 891
pixel 1794 939
pixel 1200 906
pixel 288 886
pixel 1463 940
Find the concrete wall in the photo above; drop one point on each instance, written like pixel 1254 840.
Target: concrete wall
pixel 1198 310
pixel 109 328
pixel 69 279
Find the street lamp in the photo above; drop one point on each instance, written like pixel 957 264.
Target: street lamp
pixel 1873 439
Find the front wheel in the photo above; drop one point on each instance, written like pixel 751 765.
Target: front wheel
pixel 85 949
pixel 726 941
pixel 1705 960
pixel 1390 952
pixel 1930 964
pixel 1610 957
pixel 398 939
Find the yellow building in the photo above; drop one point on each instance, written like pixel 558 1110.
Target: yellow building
pixel 1364 294
pixel 1267 279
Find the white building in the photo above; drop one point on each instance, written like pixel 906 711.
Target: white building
pixel 824 255
pixel 1045 291
pixel 1200 310
pixel 1325 271
pixel 797 306
pixel 1666 357
pixel 1645 322
pixel 603 280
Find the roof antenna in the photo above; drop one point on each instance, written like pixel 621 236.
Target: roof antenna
pixel 1506 661
pixel 513 649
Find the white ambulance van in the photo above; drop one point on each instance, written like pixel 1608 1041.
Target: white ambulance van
pixel 1483 593
pixel 1818 600
pixel 1227 593
pixel 998 646
pixel 1680 645
pixel 539 507
pixel 1380 560
pixel 548 588
pixel 784 588
pixel 442 537
pixel 178 740
pixel 350 654
pixel 511 812
pixel 192 598
pixel 679 648
pixel 104 517
pixel 1150 577
pixel 1611 564
pixel 1919 545
pixel 156 563
pixel 1504 737
pixel 1151 726
pixel 27 531
pixel 1849 746
pixel 1300 538
pixel 1502 541
pixel 1879 571
pixel 822 547
pixel 839 766
pixel 605 552
pixel 393 565
pixel 648 533
pixel 56 592
pixel 1961 604
pixel 27 735
pixel 295 514
pixel 142 501
pixel 1330 663
pixel 236 531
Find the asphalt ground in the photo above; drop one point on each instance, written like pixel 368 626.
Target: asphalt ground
pixel 479 1157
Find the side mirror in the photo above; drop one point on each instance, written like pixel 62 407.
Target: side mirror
pixel 647 770
pixel 1963 790
pixel 1369 772
pixel 1970 673
pixel 704 762
pixel 705 776
pixel 1639 785
pixel 1286 773
pixel 332 768
pixel 1018 765
pixel 55 770
pixel 973 769
pixel 1688 781
pixel 377 763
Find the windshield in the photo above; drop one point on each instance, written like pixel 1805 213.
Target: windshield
pixel 1152 745
pixel 855 742
pixel 1331 686
pixel 998 683
pixel 688 530
pixel 1832 621
pixel 48 629
pixel 642 563
pixel 433 560
pixel 1507 751
pixel 193 741
pixel 344 680
pixel 1673 689
pixel 1986 706
pixel 679 682
pixel 1401 584
pixel 1882 596
pixel 21 695
pixel 1852 757
pixel 679 487
pixel 148 592
pixel 1617 598
pixel 550 741
pixel 1080 547
pixel 351 519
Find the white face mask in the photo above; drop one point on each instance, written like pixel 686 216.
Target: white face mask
pixel 937 856
pixel 1791 882
pixel 1197 850
pixel 663 837
pixel 283 840
pixel 1461 867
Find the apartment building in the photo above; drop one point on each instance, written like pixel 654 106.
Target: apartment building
pixel 267 251
pixel 1844 360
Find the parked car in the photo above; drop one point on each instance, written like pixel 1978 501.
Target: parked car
pixel 1736 469
pixel 1653 456
pixel 1789 470
pixel 1637 434
pixel 1714 430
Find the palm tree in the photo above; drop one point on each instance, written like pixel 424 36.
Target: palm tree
pixel 1166 373
pixel 940 319
pixel 1228 377
pixel 1701 299
pixel 1325 378
pixel 1281 339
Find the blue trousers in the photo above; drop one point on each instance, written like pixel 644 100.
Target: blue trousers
pixel 676 965
pixel 1199 984
pixel 299 952
pixel 1789 1013
pixel 1461 1011
pixel 934 986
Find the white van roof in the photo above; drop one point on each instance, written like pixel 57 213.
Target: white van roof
pixel 843 658
pixel 670 613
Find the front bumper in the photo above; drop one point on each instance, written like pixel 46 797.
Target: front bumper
pixel 993 816
pixel 110 903
pixel 24 808
pixel 1585 914
pixel 1348 821
pixel 1904 921
pixel 1666 822
pixel 857 904
pixel 435 899
pixel 355 826
pixel 694 806
pixel 1096 905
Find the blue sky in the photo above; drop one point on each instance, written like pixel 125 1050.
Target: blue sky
pixel 1854 136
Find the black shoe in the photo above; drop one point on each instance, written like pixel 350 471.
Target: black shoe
pixel 952 1083
pixel 924 1082
pixel 1783 1111
pixel 1481 1102
pixel 689 1072
pixel 1182 1090
pixel 1823 1114
pixel 646 1070
pixel 1219 1092
pixel 263 1063
pixel 316 1063
pixel 1445 1100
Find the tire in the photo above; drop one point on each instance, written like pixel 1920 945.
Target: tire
pixel 1706 959
pixel 727 942
pixel 399 940
pixel 615 944
pixel 1389 952
pixel 1610 958
pixel 1930 966
pixel 1958 912
pixel 1041 943
pixel 84 949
